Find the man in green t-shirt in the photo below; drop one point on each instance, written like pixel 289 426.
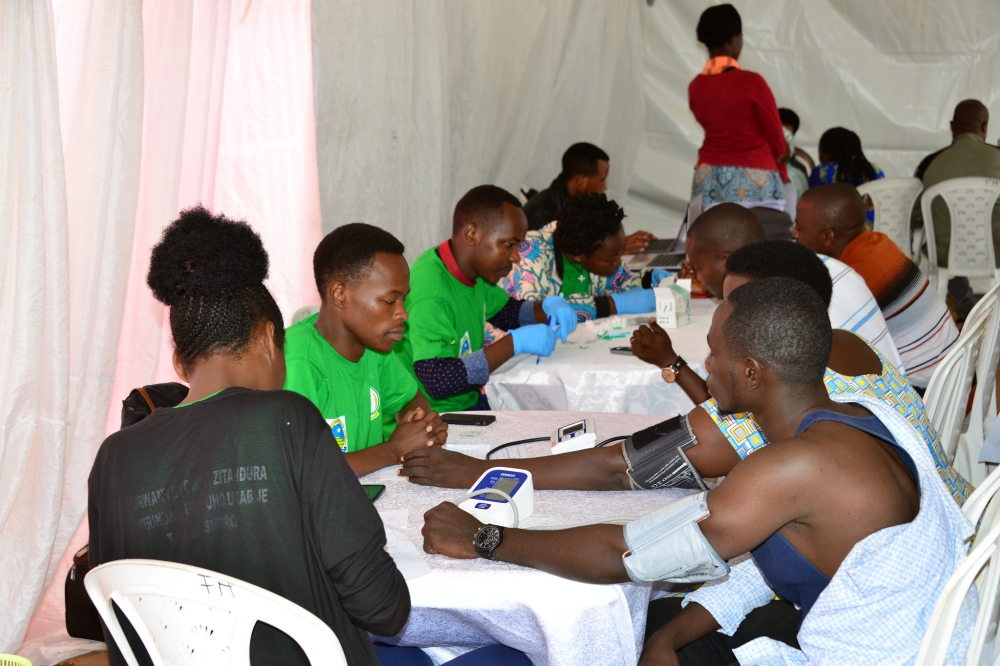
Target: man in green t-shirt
pixel 342 359
pixel 454 293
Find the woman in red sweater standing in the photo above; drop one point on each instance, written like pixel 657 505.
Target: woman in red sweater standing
pixel 743 157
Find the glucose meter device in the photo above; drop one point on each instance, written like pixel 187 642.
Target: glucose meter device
pixel 576 436
pixel 512 498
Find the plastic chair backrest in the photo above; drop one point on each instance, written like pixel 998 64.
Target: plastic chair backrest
pixel 982 569
pixel 948 391
pixel 981 507
pixel 189 615
pixel 893 199
pixel 970 204
pixel 984 409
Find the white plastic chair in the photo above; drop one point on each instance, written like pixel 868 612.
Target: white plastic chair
pixel 947 393
pixel 188 615
pixel 893 199
pixel 982 569
pixel 970 206
pixel 981 507
pixel 984 409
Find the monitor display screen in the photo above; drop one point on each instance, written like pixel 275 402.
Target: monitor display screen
pixel 506 485
pixel 576 427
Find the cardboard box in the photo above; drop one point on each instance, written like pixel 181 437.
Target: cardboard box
pixel 673 303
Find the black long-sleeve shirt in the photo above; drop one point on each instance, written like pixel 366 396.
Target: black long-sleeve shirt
pixel 253 485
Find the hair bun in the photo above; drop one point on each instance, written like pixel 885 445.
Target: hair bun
pixel 204 254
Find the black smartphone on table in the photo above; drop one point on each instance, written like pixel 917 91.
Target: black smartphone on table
pixel 373 490
pixel 622 351
pixel 468 419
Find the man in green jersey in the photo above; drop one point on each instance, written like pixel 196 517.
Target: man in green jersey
pixel 342 359
pixel 454 293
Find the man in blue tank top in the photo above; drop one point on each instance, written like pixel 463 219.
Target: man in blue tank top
pixel 843 515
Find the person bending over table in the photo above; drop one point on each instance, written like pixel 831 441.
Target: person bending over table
pixel 842 513
pixel 342 359
pixel 722 230
pixel 585 169
pixel 454 293
pixel 715 443
pixel 832 223
pixel 579 257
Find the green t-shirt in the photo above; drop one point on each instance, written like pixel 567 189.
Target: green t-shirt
pixel 352 397
pixel 447 320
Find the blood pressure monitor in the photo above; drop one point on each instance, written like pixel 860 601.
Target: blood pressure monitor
pixel 574 437
pixel 493 508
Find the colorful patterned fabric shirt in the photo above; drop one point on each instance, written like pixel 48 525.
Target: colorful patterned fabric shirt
pixel 891 387
pixel 733 184
pixel 536 277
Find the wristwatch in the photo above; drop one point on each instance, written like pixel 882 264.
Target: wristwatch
pixel 671 372
pixel 487 539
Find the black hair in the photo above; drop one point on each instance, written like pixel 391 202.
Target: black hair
pixel 845 148
pixel 210 271
pixel 780 258
pixel 584 222
pixel 718 24
pixel 782 323
pixel 482 205
pixel 726 227
pixel 348 252
pixel 790 118
pixel 581 159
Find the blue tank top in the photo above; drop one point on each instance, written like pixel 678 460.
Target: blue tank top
pixel 787 572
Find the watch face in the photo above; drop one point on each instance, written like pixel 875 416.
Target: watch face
pixel 488 537
pixel 669 374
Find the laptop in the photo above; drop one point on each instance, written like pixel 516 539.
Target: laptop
pixel 658 254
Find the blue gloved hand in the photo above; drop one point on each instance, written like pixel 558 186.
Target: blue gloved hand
pixel 535 339
pixel 634 301
pixel 660 274
pixel 560 313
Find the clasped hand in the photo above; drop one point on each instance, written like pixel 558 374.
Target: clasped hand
pixel 418 429
pixel 652 344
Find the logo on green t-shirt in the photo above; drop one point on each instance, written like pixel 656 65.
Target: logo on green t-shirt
pixel 376 401
pixel 339 428
pixel 466 347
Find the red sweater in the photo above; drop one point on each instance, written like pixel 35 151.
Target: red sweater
pixel 741 122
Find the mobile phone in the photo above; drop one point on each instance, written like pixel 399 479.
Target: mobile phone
pixel 373 490
pixel 468 419
pixel 624 351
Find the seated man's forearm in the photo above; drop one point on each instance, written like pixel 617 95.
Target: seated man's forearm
pixel 371 459
pixel 591 554
pixel 590 469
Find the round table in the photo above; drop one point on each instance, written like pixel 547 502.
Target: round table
pixel 582 375
pixel 464 603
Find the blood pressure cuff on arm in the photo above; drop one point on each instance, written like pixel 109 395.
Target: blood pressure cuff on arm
pixel 656 457
pixel 668 545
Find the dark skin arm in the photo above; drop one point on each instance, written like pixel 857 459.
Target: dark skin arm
pixel 653 345
pixel 419 427
pixel 692 623
pixel 500 351
pixel 591 469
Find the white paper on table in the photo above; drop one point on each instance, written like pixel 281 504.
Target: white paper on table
pixel 991 445
pixel 388 474
pixel 403 552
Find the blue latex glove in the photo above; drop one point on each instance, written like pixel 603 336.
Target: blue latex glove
pixel 660 274
pixel 634 301
pixel 535 339
pixel 560 313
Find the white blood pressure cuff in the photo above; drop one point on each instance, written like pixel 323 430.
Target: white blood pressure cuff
pixel 656 457
pixel 668 545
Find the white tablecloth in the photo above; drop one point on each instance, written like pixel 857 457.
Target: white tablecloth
pixel 553 620
pixel 582 375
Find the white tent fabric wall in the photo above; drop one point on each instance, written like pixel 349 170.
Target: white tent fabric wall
pixel 228 124
pixel 34 311
pixel 890 71
pixel 418 101
pixel 99 62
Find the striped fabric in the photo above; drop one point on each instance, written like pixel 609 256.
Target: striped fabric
pixel 917 317
pixel 854 309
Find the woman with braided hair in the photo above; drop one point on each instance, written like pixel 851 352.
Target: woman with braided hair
pixel 842 160
pixel 579 257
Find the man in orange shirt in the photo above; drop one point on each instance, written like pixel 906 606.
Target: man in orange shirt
pixel 830 220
